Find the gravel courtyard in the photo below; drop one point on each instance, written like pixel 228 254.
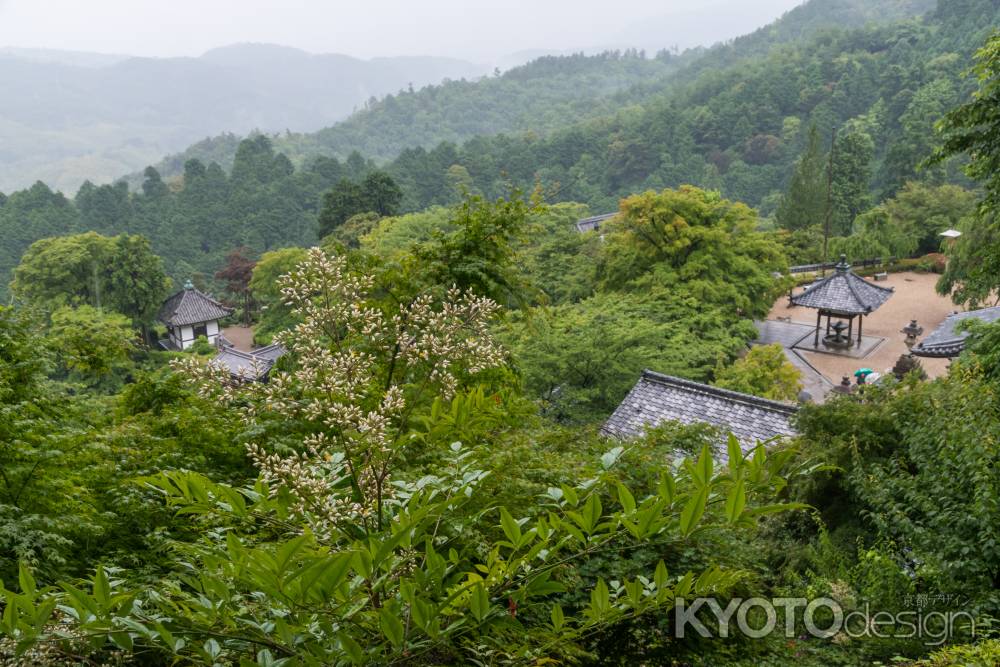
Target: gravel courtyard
pixel 914 298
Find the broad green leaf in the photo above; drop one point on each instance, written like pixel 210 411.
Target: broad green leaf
pixel 693 511
pixel 392 627
pixel 626 498
pixel 479 603
pixel 510 527
pixel 736 501
pixel 735 455
pixel 25 579
pixel 558 618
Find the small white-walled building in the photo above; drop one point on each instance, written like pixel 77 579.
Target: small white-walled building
pixel 190 314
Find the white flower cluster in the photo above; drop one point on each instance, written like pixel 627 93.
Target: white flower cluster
pixel 360 370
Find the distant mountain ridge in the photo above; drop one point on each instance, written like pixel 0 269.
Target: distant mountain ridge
pixel 70 117
pixel 547 94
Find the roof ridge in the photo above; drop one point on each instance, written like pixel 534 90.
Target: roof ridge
pixel 854 292
pixel 739 396
pixel 206 296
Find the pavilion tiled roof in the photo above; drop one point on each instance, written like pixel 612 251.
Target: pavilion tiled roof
pixel 945 341
pixel 190 306
pixel 843 292
pixel 658 398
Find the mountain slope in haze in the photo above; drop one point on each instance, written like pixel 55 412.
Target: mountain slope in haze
pixel 64 123
pixel 544 95
pixel 541 96
pixel 738 127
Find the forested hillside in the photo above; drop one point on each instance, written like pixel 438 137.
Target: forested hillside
pixel 741 127
pixel 544 95
pixel 66 118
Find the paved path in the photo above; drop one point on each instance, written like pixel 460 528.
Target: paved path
pixel 787 334
pixel 240 337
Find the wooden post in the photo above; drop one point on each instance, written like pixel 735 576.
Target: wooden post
pixel 861 320
pixel 819 320
pixel 850 330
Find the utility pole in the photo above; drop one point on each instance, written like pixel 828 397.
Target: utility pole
pixel 829 196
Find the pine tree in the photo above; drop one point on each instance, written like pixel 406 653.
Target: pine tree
pixel 805 202
pixel 850 182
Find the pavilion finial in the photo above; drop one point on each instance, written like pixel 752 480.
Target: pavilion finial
pixel 188 284
pixel 843 266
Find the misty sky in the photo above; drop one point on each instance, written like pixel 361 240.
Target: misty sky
pixel 467 29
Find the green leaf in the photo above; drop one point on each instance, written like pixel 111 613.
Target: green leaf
pixel 660 575
pixel 102 590
pixel 666 487
pixel 392 627
pixel 592 513
pixel 774 509
pixel 693 511
pixel 558 618
pixel 510 527
pixel 479 602
pixel 735 455
pixel 609 458
pixel 704 466
pixel 25 579
pixel 600 598
pixel 626 498
pixel 736 501
pixel 354 652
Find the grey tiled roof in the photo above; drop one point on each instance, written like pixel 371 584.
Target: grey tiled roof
pixel 594 222
pixel 657 398
pixel 189 306
pixel 248 365
pixel 844 292
pixel 945 341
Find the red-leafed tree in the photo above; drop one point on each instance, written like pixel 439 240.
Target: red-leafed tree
pixel 237 273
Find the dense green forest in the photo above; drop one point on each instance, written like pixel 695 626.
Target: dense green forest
pixel 422 480
pixel 739 126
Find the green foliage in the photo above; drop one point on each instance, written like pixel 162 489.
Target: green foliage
pixel 90 342
pixel 986 652
pixel 804 204
pixel 396 234
pixel 377 193
pixel 581 359
pixel 479 253
pixel 919 463
pixel 120 272
pixel 415 589
pixel 696 241
pixel 973 130
pixel 765 371
pixel 850 178
pixel 274 314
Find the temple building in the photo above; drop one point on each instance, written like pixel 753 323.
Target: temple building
pixel 593 223
pixel 189 314
pixel 945 341
pixel 253 366
pixel 658 398
pixel 841 296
